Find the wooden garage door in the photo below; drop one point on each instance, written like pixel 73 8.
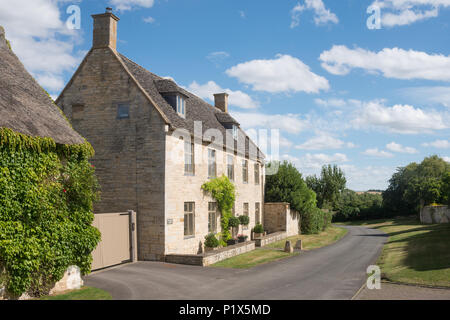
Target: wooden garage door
pixel 114 248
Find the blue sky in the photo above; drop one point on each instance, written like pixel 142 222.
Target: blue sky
pixel 369 100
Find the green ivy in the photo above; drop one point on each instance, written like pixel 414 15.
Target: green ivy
pixel 224 191
pixel 47 192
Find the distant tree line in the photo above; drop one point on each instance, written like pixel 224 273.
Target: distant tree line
pixel 409 188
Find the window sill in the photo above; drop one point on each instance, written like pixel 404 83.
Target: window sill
pixel 189 174
pixel 188 237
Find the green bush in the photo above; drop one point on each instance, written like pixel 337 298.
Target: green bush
pixel 258 228
pixel 313 221
pixel 46 201
pixel 244 220
pixel 224 191
pixel 211 241
pixel 234 222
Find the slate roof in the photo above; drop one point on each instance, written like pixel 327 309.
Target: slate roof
pixel 196 108
pixel 24 106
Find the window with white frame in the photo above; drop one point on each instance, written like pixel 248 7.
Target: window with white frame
pixel 246 213
pixel 257 213
pixel 256 173
pixel 230 167
pixel 189 165
pixel 245 171
pixel 212 217
pixel 189 219
pixel 212 164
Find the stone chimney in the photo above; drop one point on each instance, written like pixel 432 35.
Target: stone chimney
pixel 105 30
pixel 221 101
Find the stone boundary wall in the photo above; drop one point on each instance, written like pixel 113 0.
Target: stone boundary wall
pixel 435 214
pixel 279 216
pixel 271 238
pixel 211 257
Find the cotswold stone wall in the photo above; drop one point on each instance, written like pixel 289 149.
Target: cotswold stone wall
pixel 187 188
pixel 280 217
pixel 271 238
pixel 129 153
pixel 435 214
pixel 207 259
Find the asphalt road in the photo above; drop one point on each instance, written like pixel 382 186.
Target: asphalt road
pixel 334 272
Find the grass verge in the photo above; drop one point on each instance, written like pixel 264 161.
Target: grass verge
pixel 415 253
pixel 314 241
pixel 272 253
pixel 85 293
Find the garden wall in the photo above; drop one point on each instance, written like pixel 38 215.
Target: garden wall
pixel 270 238
pixel 279 217
pixel 435 214
pixel 211 257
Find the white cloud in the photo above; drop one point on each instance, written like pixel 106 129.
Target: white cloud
pixel 446 159
pixel 123 5
pixel 406 12
pixel 282 74
pixel 378 153
pixel 39 36
pixel 395 147
pixel 316 161
pixel 237 98
pixel 242 14
pixel 321 14
pixel 392 63
pixel 367 178
pixel 217 57
pixel 439 144
pixel 291 123
pixel 402 119
pixel 330 102
pixel 149 20
pixel 324 142
pixel 435 95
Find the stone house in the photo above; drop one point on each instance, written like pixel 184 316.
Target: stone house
pixel 156 144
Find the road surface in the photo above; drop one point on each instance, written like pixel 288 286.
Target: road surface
pixel 334 272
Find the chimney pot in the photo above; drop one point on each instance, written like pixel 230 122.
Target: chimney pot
pixel 221 101
pixel 108 10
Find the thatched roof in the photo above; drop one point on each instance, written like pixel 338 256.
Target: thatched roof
pixel 24 106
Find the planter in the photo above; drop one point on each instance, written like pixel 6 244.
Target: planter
pixel 242 239
pixel 232 242
pixel 259 235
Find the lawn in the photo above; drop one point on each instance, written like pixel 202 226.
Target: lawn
pixel 85 293
pixel 272 252
pixel 314 241
pixel 415 253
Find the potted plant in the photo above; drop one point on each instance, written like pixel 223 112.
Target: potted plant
pixel 211 242
pixel 242 238
pixel 234 223
pixel 258 231
pixel 232 242
pixel 244 220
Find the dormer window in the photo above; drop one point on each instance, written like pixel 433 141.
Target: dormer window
pixel 235 132
pixel 178 103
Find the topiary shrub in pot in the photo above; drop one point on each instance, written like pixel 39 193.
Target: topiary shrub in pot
pixel 234 223
pixel 258 231
pixel 242 238
pixel 244 220
pixel 211 242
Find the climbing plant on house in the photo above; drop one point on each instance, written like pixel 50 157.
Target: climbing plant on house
pixel 224 192
pixel 46 211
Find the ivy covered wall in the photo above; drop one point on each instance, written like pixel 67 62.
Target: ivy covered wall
pixel 47 192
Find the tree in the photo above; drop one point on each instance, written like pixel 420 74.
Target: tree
pixel 329 186
pixel 445 188
pixel 415 184
pixel 287 185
